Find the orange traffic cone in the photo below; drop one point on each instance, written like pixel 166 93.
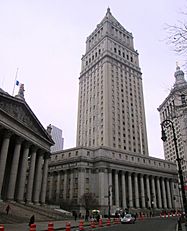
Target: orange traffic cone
pixel 100 223
pixel 32 227
pixel 81 225
pixel 93 224
pixel 108 222
pixel 1 227
pixel 68 226
pixel 50 226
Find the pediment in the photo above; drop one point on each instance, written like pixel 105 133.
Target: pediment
pixel 21 112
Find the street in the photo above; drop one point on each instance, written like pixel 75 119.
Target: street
pixel 153 224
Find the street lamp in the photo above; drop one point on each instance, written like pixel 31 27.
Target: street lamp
pixel 109 195
pixel 167 124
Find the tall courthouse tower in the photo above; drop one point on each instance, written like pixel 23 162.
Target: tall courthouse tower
pixel 111 157
pixel 111 105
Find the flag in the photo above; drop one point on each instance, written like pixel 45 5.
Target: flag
pixel 18 83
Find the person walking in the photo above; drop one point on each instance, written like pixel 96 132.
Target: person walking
pixel 7 209
pixel 32 219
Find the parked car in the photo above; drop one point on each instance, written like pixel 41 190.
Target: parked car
pixel 128 219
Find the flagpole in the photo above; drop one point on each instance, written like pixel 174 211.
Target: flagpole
pixel 15 81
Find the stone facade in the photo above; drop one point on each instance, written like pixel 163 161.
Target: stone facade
pixel 24 152
pixel 135 181
pixel 111 104
pixel 112 150
pixel 174 108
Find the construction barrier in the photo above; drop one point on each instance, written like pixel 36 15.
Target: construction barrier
pixel 50 226
pixel 115 221
pixel 108 222
pixel 68 226
pixel 32 227
pixel 93 224
pixel 100 223
pixel 81 225
pixel 1 227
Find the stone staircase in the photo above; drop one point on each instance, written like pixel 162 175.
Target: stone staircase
pixel 21 213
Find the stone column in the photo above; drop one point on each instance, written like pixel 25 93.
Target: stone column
pixel 174 195
pixel 153 192
pixel 65 185
pixel 137 202
pixel 110 184
pixel 38 179
pixel 44 179
pixel 31 175
pixel 142 191
pixel 159 193
pixel 148 192
pixel 164 193
pixel 71 185
pixel 101 186
pixel 14 169
pixel 124 196
pixel 3 157
pixel 23 172
pixel 116 189
pixel 168 194
pixel 58 187
pixel 130 190
pixel 51 180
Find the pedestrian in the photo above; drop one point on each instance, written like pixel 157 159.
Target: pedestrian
pixel 75 215
pixel 32 219
pixel 7 209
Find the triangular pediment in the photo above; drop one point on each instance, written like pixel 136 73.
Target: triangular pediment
pixel 20 111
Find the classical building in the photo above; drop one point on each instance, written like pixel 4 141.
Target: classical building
pixel 174 108
pixel 111 158
pixel 134 181
pixel 24 151
pixel 56 135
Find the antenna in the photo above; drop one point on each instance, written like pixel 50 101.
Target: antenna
pixel 15 81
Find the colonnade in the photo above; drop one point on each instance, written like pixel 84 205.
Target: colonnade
pixel 128 189
pixel 137 190
pixel 23 169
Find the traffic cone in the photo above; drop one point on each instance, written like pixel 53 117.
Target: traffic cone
pixel 100 223
pixel 93 224
pixel 108 222
pixel 81 225
pixel 68 226
pixel 1 227
pixel 32 227
pixel 50 226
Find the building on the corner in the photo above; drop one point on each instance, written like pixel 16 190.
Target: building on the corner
pixel 56 134
pixel 174 108
pixel 24 151
pixel 112 151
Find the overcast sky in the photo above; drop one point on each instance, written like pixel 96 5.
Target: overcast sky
pixel 45 39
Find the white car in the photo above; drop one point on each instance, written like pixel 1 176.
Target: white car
pixel 128 219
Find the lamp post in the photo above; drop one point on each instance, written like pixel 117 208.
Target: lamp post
pixel 109 195
pixel 169 124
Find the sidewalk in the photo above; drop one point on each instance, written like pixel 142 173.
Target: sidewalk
pixel 41 226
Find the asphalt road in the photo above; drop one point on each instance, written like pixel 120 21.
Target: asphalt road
pixel 152 224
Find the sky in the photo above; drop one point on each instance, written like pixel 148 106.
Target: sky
pixel 45 40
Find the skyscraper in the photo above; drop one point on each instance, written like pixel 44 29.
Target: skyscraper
pixel 111 105
pixel 56 134
pixel 174 108
pixel 111 158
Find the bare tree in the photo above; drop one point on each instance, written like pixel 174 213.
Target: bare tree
pixel 89 201
pixel 178 37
